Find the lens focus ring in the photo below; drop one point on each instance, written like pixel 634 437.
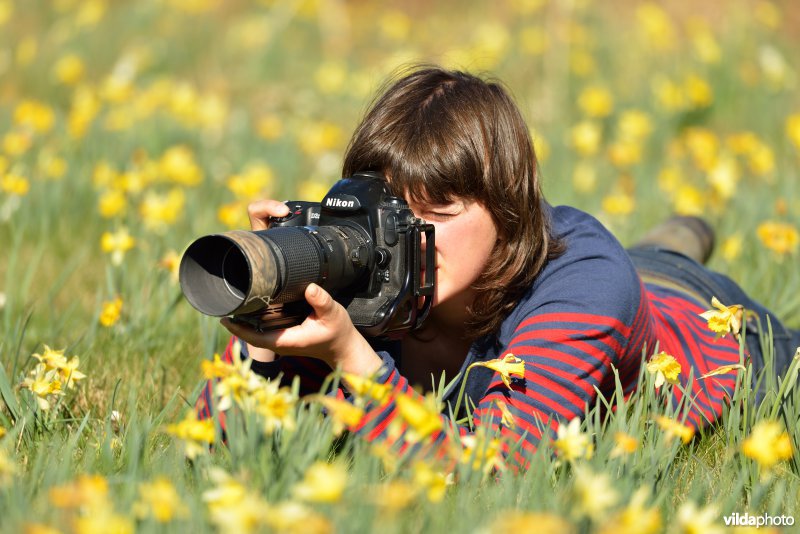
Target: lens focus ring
pixel 303 257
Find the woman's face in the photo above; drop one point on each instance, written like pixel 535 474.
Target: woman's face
pixel 465 237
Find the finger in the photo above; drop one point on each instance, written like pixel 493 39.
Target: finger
pixel 283 340
pixel 322 302
pixel 259 211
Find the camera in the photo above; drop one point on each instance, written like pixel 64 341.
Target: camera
pixel 361 243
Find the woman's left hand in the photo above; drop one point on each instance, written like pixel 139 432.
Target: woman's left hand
pixel 327 334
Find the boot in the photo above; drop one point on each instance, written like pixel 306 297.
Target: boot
pixel 688 235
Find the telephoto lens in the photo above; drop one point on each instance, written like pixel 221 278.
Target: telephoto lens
pixel 241 272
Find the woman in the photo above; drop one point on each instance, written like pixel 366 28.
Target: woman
pixel 514 275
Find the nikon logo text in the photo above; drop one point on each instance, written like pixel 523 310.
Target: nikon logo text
pixel 339 203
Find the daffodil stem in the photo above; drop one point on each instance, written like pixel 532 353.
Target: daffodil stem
pixel 461 392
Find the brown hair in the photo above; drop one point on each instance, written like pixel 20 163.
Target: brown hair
pixel 444 134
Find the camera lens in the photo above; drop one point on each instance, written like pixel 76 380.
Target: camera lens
pixel 243 272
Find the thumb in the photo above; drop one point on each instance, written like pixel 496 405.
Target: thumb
pixel 320 300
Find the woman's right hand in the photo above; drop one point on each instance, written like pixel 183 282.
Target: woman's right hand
pixel 259 213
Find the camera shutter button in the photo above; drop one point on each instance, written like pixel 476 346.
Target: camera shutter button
pixel 390 236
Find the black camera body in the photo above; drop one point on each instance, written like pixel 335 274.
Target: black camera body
pixel 361 243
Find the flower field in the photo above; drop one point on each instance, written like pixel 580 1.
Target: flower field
pixel 129 128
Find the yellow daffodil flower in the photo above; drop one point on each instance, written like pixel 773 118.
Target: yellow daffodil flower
pixel 690 518
pixel 87 491
pixel 507 366
pixel 195 434
pixel 482 452
pixel 433 481
pixel 44 385
pixel 322 483
pixel 665 368
pixel 344 414
pixel 723 319
pixel 67 370
pixel 624 444
pixel 520 521
pixel 594 494
pixel 421 415
pixel 768 444
pixel 159 499
pixel 635 518
pixel 673 428
pixel 571 443
pixel 781 238
pixel 111 312
pixel 366 388
pixel 725 369
pixel 292 517
pixel 117 244
pixel 234 508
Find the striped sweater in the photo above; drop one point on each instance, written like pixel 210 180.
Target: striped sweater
pixel 587 312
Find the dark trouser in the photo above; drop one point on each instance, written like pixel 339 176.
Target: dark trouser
pixel 652 261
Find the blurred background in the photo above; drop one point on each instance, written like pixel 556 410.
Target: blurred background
pixel 128 128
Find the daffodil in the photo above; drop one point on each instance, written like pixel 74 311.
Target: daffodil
pixel 724 369
pixel 159 211
pixel 35 115
pixel 635 518
pixel 171 262
pixel 159 499
pixel 216 368
pixel 571 443
pixel 674 428
pixel 275 405
pixel 87 491
pixel 768 444
pixel 292 517
pixel 657 26
pixel 723 319
pixel 482 452
pixel 420 414
pixel 117 244
pixel 434 482
pixel 254 181
pixel 793 129
pixel 665 368
pixel 14 184
pixel 586 137
pixel 234 508
pixel 624 444
pixel 178 165
pixel 781 238
pixel 395 495
pixel 69 69
pixel 366 388
pixel 322 483
pixel 196 435
pixel 110 313
pixel 507 418
pixel 596 101
pixel 67 369
pixel 344 414
pixel 619 203
pixel 507 366
pixel 593 494
pixel 44 384
pixel 522 521
pixel 691 519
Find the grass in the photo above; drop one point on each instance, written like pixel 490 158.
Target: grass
pixel 281 84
